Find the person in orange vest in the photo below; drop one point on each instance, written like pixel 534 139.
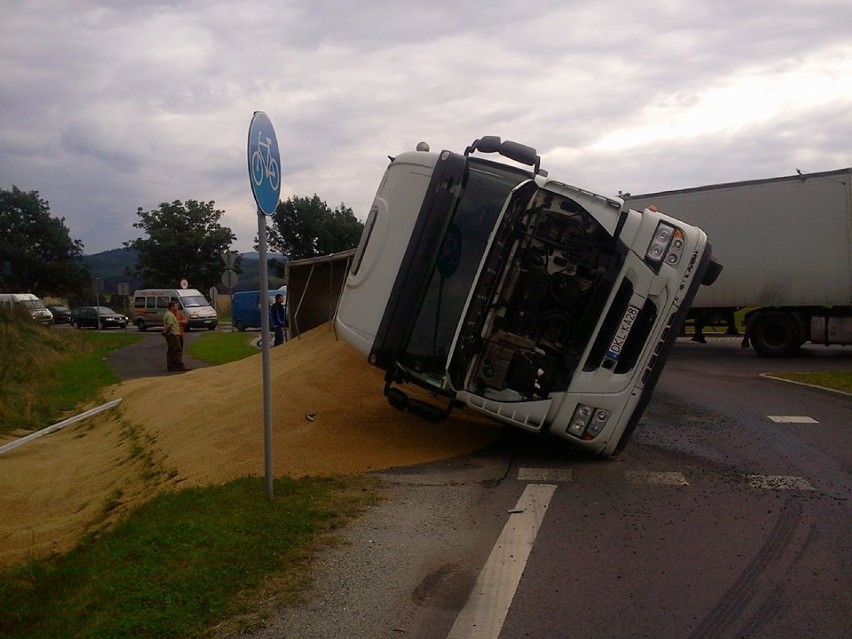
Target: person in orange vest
pixel 182 323
pixel 174 338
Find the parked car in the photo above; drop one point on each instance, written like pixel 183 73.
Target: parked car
pixel 61 314
pixel 87 317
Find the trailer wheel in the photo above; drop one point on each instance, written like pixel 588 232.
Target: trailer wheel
pixel 775 334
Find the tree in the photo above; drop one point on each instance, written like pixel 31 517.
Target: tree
pixel 37 254
pixel 185 240
pixel 307 227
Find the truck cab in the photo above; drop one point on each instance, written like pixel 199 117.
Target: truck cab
pixel 538 303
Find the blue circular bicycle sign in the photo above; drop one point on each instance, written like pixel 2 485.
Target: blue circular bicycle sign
pixel 264 163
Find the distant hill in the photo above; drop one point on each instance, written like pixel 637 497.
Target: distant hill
pixel 114 267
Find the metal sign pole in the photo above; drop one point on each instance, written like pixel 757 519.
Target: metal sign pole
pixel 264 166
pixel 264 326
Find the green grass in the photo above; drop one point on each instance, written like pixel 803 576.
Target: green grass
pixel 46 373
pixel 87 369
pixel 217 348
pixel 836 380
pixel 184 562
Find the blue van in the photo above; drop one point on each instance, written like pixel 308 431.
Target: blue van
pixel 245 307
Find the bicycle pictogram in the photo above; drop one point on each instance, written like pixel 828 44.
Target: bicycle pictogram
pixel 263 164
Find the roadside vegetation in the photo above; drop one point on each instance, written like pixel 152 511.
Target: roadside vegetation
pixel 836 380
pixel 220 347
pixel 189 563
pixel 45 374
pixel 184 563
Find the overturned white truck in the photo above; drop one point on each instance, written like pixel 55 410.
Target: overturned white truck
pixel 535 302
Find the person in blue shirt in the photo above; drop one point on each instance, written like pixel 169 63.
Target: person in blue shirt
pixel 278 319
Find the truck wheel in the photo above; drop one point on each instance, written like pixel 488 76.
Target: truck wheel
pixel 775 334
pixel 141 325
pixel 239 326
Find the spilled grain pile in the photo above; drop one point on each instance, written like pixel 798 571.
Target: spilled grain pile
pixel 205 427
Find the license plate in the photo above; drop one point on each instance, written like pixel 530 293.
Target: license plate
pixel 623 331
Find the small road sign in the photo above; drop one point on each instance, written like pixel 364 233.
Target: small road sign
pixel 264 163
pixel 230 278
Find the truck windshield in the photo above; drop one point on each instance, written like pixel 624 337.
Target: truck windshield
pixel 477 207
pixel 549 272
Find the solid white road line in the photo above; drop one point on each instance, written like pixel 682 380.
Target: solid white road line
pixel 486 608
pixel 792 419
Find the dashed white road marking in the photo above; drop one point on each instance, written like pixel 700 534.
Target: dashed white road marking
pixel 652 477
pixel 792 419
pixel 545 474
pixel 779 482
pixel 485 611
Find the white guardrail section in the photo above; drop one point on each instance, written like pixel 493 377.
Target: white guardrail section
pixel 59 426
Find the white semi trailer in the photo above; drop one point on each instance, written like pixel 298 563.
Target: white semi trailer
pixel 786 244
pixel 535 302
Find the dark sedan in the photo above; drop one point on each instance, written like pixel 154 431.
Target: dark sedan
pixel 61 314
pixel 88 317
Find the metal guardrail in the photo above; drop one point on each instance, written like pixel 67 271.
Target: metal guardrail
pixel 58 426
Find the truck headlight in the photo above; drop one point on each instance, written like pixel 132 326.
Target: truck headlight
pixel 666 246
pixel 587 422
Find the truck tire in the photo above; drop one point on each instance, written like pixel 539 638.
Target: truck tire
pixel 775 334
pixel 141 325
pixel 239 326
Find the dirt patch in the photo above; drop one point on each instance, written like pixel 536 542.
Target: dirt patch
pixel 205 427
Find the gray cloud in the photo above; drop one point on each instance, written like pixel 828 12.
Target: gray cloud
pixel 110 106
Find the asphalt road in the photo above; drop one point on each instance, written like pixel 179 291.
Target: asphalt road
pixel 728 515
pixel 147 358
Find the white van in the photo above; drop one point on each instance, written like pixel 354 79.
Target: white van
pixel 150 304
pixel 31 303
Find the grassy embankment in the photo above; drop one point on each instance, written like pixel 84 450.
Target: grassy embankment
pixel 836 380
pixel 186 561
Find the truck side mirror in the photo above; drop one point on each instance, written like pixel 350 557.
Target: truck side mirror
pixel 512 150
pixel 488 144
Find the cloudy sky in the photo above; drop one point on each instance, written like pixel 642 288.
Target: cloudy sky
pixel 109 106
